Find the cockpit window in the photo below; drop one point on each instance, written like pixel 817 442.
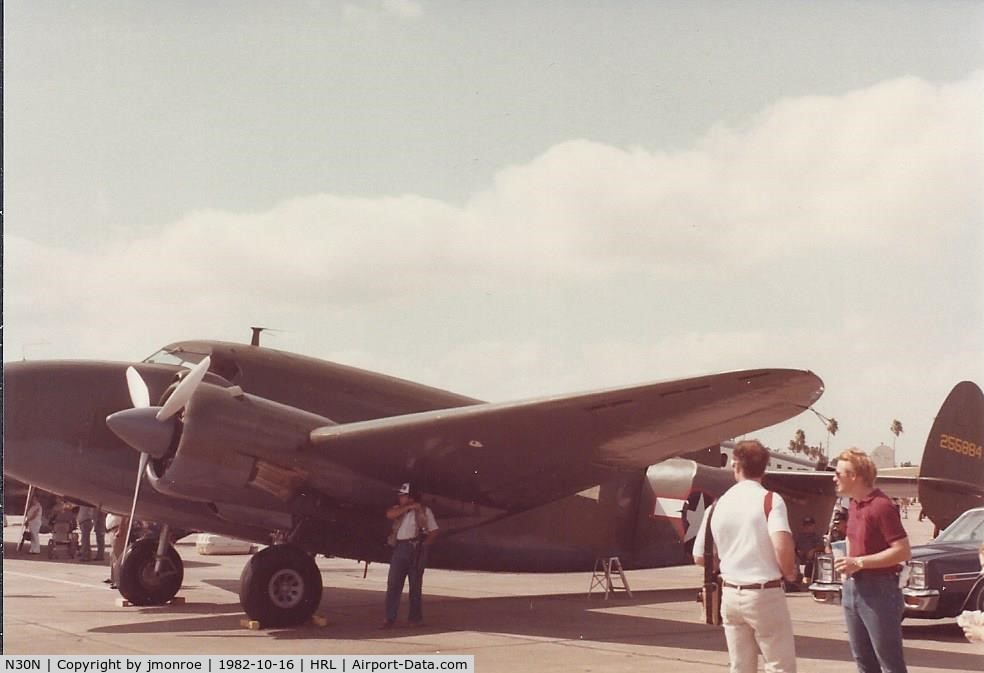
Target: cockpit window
pixel 175 356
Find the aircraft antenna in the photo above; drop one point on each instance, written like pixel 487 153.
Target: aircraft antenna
pixel 255 341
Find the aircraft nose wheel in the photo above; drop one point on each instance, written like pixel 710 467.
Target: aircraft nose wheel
pixel 280 586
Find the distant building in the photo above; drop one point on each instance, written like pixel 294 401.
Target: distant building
pixel 777 460
pixel 883 456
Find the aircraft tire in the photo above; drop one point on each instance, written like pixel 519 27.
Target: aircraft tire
pixel 280 586
pixel 139 584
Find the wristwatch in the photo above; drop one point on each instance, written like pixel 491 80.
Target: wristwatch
pixel 860 561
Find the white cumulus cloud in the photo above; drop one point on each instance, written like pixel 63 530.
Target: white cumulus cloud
pixel 862 197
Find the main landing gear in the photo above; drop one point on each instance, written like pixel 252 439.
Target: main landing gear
pixel 279 586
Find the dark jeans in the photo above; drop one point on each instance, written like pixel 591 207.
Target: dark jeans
pixel 873 611
pixel 409 560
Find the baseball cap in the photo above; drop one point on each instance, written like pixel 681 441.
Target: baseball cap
pixel 404 489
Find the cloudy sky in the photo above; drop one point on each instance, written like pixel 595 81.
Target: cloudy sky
pixel 510 199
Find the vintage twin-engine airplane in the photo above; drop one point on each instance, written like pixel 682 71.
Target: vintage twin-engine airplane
pixel 305 455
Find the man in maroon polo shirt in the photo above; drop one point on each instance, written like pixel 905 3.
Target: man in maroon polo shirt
pixel 877 545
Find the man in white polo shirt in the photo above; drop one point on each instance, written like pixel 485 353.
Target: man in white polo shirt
pixel 750 529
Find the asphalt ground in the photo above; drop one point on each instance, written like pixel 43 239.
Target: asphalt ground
pixel 509 622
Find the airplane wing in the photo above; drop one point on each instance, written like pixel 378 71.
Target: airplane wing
pixel 519 455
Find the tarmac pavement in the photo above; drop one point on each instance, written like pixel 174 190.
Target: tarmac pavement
pixel 509 622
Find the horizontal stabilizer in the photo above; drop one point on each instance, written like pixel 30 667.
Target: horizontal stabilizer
pixel 821 482
pixel 953 486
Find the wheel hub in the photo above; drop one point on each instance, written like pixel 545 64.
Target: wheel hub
pixel 152 579
pixel 148 577
pixel 286 588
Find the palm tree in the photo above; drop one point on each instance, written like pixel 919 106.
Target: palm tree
pixel 798 443
pixel 896 430
pixel 832 428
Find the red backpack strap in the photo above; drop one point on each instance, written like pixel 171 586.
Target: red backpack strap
pixel 710 566
pixel 768 504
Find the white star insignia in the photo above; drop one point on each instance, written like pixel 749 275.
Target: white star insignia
pixel 694 517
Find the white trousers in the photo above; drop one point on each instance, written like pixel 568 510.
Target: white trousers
pixel 757 620
pixel 35 528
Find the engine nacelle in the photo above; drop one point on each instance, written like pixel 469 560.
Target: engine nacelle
pixel 238 448
pixel 672 501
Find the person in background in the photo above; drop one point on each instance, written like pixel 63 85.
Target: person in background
pixel 64 514
pixel 99 530
pixel 32 522
pixel 116 529
pixel 86 519
pixel 838 531
pixel 808 544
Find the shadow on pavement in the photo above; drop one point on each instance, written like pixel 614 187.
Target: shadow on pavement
pixel 354 615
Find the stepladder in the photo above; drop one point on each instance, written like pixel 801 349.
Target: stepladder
pixel 608 575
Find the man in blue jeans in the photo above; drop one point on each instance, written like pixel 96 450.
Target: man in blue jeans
pixel 414 531
pixel 877 545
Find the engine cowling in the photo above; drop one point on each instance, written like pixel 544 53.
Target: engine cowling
pixel 238 448
pixel 673 498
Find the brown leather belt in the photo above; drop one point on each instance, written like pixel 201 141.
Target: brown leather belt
pixel 774 584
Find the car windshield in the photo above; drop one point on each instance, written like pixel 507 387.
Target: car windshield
pixel 969 527
pixel 175 356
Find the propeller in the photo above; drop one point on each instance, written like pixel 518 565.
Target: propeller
pixel 183 392
pixel 149 429
pixel 139 394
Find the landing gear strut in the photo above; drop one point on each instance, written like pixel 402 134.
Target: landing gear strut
pixel 280 586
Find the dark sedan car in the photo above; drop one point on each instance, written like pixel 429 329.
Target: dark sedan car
pixel 942 579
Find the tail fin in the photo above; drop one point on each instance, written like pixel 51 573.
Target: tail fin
pixel 951 476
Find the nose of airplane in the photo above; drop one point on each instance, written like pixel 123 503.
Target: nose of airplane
pixel 42 407
pixel 55 413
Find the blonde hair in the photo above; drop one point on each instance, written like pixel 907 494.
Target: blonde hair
pixel 862 465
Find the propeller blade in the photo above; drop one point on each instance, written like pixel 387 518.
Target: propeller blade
pixel 186 387
pixel 140 429
pixel 136 494
pixel 139 394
